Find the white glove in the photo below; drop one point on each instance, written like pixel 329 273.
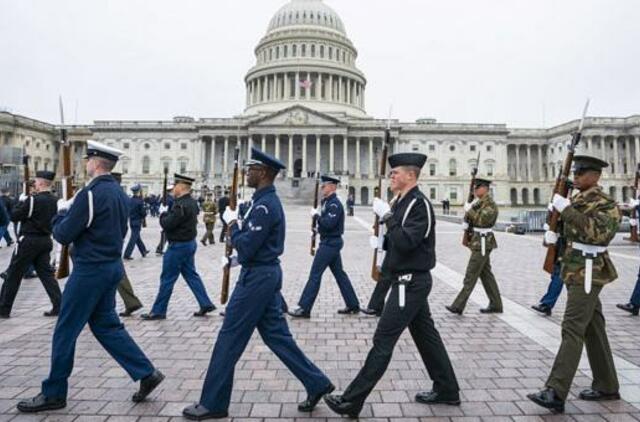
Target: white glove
pixel 465 225
pixel 163 209
pixel 550 206
pixel 229 215
pixel 22 197
pixel 469 205
pixel 545 227
pixel 314 212
pixel 550 238
pixel 380 207
pixel 375 242
pixel 633 222
pixel 560 202
pixel 64 205
pixel 232 261
pixel 633 203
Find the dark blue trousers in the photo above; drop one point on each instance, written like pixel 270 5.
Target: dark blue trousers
pixel 555 288
pixel 135 240
pixel 179 259
pixel 89 296
pixel 256 302
pixel 635 296
pixel 4 234
pixel 328 255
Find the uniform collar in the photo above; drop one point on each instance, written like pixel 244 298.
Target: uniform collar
pixel 263 191
pixel 409 194
pixel 102 178
pixel 330 197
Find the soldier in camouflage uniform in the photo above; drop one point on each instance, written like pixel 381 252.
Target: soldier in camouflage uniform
pixel 482 214
pixel 210 210
pixel 591 220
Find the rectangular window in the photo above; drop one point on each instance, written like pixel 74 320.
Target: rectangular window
pixel 125 145
pixel 167 146
pixel 453 194
pixel 472 148
pixel 433 193
pixel 183 146
pixel 432 147
pixel 432 169
pixel 489 148
pixel 183 167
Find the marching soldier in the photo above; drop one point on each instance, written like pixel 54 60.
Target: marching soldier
pixel 330 225
pixel 125 289
pixel 409 243
pixel 482 213
pixel 256 301
pixel 633 306
pixel 223 202
pixel 591 220
pixel 137 213
pixel 180 225
pixel 34 213
pixel 210 210
pixel 95 222
pixel 163 239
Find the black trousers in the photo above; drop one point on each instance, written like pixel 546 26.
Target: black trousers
pixel 223 232
pixel 376 302
pixel 417 316
pixel 34 251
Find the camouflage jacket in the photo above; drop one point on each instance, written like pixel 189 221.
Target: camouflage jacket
pixel 483 215
pixel 593 219
pixel 210 210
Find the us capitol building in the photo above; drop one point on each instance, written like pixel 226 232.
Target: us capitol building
pixel 305 104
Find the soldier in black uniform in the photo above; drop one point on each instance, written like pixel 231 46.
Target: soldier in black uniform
pixel 34 213
pixel 410 255
pixel 222 205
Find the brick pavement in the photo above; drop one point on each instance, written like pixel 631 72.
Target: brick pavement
pixel 496 362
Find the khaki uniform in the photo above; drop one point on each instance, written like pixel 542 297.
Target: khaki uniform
pixel 210 210
pixel 483 215
pixel 591 219
pixel 129 298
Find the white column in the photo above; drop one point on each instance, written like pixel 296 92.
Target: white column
pixel 273 87
pixel 529 178
pixel 339 96
pixel 517 162
pixel 345 154
pixel 319 88
pixel 627 155
pixel 362 96
pixel 290 163
pixel 277 148
pixel 540 173
pixel 331 153
pixel 297 85
pixel 249 145
pixel 318 152
pixel 225 164
pixel 615 155
pixel 330 93
pixel 304 156
pixel 287 86
pixel 358 175
pixel 370 158
pixel 213 156
pixel 636 140
pixel 263 143
pixel 308 90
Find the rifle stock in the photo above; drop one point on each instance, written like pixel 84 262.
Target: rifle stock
pixel 314 219
pixel 228 251
pixel 375 268
pixel 468 233
pixel 26 185
pixel 63 269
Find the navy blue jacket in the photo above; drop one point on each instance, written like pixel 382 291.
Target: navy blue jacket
pixel 102 240
pixel 4 215
pixel 331 219
pixel 261 239
pixel 137 211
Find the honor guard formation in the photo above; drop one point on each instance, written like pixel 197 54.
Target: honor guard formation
pixel 93 222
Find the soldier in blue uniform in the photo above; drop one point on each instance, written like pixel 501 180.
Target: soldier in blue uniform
pixel 180 226
pixel 95 222
pixel 256 301
pixel 137 213
pixel 329 219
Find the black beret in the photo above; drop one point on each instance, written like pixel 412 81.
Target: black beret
pixel 407 159
pixel 481 182
pixel 43 174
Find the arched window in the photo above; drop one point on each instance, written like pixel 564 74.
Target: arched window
pixel 453 167
pixel 277 52
pixel 146 165
pixel 313 50
pixel 322 51
pixel 294 50
pixel 286 51
pixel 330 53
pixel 303 50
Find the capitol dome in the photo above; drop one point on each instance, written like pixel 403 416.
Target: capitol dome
pixel 305 58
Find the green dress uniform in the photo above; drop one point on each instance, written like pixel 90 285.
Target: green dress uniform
pixel 482 217
pixel 592 219
pixel 210 210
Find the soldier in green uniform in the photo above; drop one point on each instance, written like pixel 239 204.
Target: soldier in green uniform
pixel 210 210
pixel 591 220
pixel 482 214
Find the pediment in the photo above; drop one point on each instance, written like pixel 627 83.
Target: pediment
pixel 297 116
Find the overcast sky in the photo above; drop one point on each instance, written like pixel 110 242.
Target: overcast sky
pixel 490 61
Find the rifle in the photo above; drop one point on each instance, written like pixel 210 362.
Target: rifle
pixel 67 192
pixel 244 174
pixel 26 186
pixel 228 250
pixel 314 220
pixel 561 188
pixel 375 268
pixel 633 231
pixel 163 236
pixel 468 233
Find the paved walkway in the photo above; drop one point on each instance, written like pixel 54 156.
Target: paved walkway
pixel 498 358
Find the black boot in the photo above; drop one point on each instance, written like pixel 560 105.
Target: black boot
pixel 299 313
pixel 632 309
pixel 348 311
pixel 453 310
pixel 594 395
pixel 52 313
pixel 41 403
pixel 543 309
pixel 129 311
pixel 312 400
pixel 432 397
pixel 147 385
pixel 490 310
pixel 197 412
pixel 549 399
pixel 152 317
pixel 204 311
pixel 369 311
pixel 342 407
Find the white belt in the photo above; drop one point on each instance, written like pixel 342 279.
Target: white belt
pixel 483 234
pixel 589 252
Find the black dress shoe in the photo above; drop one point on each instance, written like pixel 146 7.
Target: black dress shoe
pixel 30 275
pixel 489 310
pixel 594 395
pixel 549 399
pixel 299 313
pixel 369 311
pixel 432 397
pixel 128 258
pixel 51 313
pixel 40 403
pixel 633 310
pixel 147 385
pixel 543 309
pixel 3 275
pixel 203 243
pixel 342 407
pixel 4 316
pixel 128 312
pixel 152 317
pixel 145 253
pixel 348 311
pixel 453 310
pixel 312 400
pixel 204 311
pixel 197 412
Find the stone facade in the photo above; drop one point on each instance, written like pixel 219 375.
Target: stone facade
pixel 305 104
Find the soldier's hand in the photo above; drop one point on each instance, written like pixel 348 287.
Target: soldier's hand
pixel 380 207
pixel 465 225
pixel 64 205
pixel 550 238
pixel 560 202
pixel 633 222
pixel 314 212
pixel 23 197
pixel 375 242
pixel 163 209
pixel 469 205
pixel 229 215
pixel 633 203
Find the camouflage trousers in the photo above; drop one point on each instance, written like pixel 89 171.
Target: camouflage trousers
pixel 479 267
pixel 129 298
pixel 583 324
pixel 208 234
